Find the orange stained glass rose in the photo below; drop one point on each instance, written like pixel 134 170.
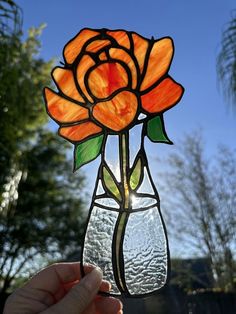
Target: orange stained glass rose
pixel 108 79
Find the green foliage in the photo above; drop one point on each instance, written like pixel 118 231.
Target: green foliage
pixel 156 130
pixel 87 151
pixel 41 203
pixel 22 77
pixel 41 211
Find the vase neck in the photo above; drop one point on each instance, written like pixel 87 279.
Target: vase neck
pixel 122 179
pixel 112 151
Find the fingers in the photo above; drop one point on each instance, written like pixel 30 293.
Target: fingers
pixel 105 287
pixel 108 305
pixel 80 296
pixel 57 275
pixel 52 277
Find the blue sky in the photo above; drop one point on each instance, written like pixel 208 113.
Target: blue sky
pixel 195 27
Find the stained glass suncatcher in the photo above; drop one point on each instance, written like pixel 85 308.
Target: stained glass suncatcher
pixel 113 89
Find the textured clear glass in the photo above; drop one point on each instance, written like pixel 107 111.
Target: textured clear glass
pixel 145 252
pixel 108 202
pixel 98 242
pixel 138 203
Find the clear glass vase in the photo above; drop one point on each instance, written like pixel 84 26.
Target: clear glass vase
pixel 125 234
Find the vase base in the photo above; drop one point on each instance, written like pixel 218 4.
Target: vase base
pixel 144 249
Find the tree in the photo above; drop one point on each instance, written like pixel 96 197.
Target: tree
pixel 23 75
pixel 226 61
pixel 42 215
pixel 203 205
pixel 41 203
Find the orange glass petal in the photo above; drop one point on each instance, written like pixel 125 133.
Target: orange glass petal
pixel 121 37
pixel 78 132
pixel 158 62
pixel 120 54
pixel 96 45
pixel 106 79
pixel 118 112
pixel 84 65
pixel 65 81
pixel 63 110
pixel 73 48
pixel 103 56
pixel 162 97
pixel 140 50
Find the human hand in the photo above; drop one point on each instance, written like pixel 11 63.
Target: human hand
pixel 59 289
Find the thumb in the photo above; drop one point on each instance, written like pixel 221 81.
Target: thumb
pixel 80 296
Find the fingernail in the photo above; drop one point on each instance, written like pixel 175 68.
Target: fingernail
pixel 108 284
pixel 93 279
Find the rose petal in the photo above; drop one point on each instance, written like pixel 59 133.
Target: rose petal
pixel 96 45
pixel 73 48
pixel 121 38
pixel 78 132
pixel 106 79
pixel 64 80
pixel 158 63
pixel 162 97
pixel 63 110
pixel 118 112
pixel 120 54
pixel 103 56
pixel 140 49
pixel 84 65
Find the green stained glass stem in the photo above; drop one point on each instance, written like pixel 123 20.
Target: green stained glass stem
pixel 125 166
pixel 123 216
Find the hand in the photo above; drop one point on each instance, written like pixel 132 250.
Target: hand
pixel 59 289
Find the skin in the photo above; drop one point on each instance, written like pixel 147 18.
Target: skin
pixel 59 289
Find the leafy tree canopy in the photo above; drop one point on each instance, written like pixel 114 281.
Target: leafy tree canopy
pixel 22 78
pixel 41 202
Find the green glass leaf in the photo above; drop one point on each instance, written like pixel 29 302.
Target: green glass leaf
pixel 136 175
pixel 156 130
pixel 110 183
pixel 87 151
